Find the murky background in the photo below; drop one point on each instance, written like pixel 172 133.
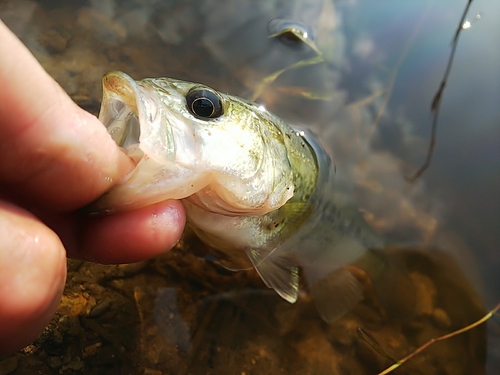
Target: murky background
pixel 365 82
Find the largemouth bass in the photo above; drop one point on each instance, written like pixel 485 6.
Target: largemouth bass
pixel 256 190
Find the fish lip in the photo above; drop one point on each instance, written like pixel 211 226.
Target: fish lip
pixel 123 98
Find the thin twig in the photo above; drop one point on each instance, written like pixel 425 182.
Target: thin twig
pixel 436 102
pixel 441 338
pixel 375 346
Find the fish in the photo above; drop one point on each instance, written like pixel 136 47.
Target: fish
pixel 259 192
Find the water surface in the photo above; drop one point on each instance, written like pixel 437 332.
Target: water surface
pixel 369 97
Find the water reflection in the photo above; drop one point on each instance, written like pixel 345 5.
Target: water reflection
pixel 369 96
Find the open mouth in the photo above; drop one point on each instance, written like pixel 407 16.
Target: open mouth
pixel 142 124
pixel 123 125
pixel 124 128
pixel 135 116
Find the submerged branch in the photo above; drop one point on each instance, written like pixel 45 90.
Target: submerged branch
pixel 441 338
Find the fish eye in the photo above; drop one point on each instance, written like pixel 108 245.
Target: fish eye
pixel 204 103
pixel 290 32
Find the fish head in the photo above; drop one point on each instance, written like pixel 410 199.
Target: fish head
pixel 222 153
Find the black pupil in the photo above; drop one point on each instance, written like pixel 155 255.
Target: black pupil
pixel 204 103
pixel 203 107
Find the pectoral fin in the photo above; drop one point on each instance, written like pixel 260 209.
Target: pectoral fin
pixel 336 294
pixel 277 272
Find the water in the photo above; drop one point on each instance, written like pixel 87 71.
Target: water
pixel 370 99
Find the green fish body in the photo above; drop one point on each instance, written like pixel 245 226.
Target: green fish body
pixel 257 191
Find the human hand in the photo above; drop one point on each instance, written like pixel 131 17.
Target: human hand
pixel 54 159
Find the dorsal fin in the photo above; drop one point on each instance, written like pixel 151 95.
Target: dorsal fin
pixel 277 271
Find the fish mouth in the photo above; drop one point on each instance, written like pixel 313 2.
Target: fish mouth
pixel 124 128
pixel 119 112
pixel 144 126
pixel 133 118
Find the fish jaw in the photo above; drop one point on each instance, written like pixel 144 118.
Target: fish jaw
pixel 160 142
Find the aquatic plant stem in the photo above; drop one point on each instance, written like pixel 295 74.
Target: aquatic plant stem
pixel 436 102
pixel 441 338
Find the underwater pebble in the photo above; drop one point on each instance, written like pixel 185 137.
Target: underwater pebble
pixel 54 362
pixel 75 364
pixel 149 371
pixel 343 331
pixel 9 365
pixel 440 318
pixel 100 308
pixel 72 305
pixel 52 41
pixel 117 283
pixel 95 289
pixel 425 293
pixel 91 349
pixel 71 325
pixel 132 268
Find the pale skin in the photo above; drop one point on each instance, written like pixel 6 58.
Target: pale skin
pixel 54 159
